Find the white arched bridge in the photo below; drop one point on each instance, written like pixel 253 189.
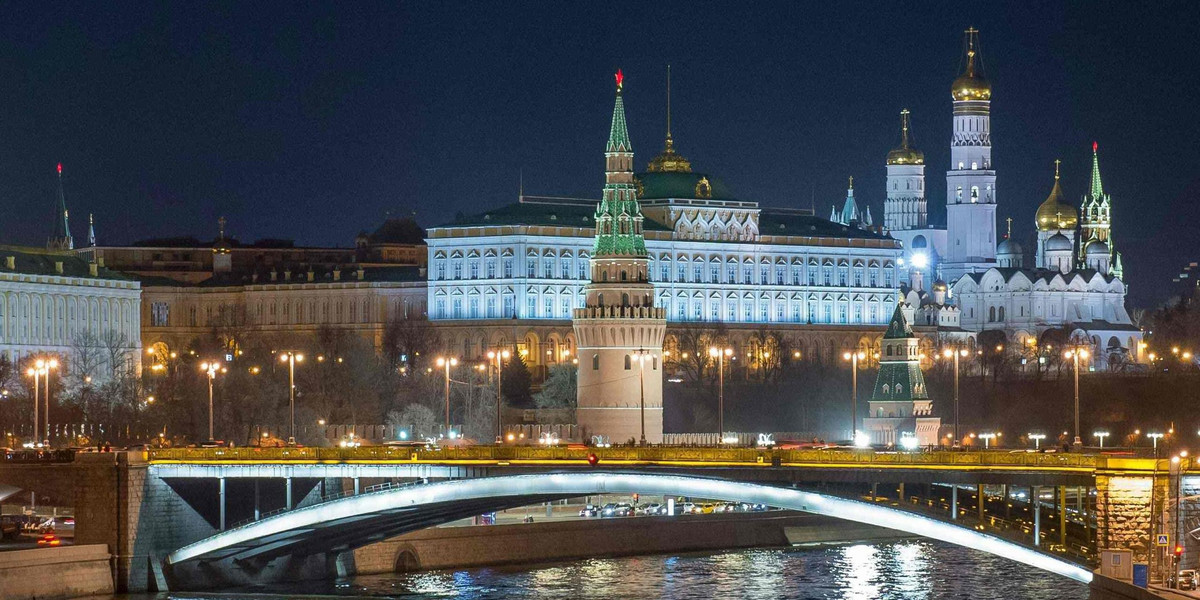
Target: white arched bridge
pixel 346 523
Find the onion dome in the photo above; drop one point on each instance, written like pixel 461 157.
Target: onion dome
pixel 939 286
pixel 669 161
pixel 1055 213
pixel 905 154
pixel 1058 242
pixel 1096 247
pixel 971 85
pixel 1008 246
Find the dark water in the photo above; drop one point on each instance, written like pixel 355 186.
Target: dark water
pixel 907 570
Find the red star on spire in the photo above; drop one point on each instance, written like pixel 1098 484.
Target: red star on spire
pixel 60 168
pixel 1095 146
pixel 620 80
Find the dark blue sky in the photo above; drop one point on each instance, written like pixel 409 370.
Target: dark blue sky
pixel 313 121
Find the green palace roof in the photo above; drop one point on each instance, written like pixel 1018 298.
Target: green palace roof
pixel 36 261
pixel 577 213
pixel 662 185
pixel 782 221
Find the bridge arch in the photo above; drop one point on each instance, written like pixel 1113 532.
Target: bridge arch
pixel 338 525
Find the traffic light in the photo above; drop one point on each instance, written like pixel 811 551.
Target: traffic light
pixel 593 459
pixel 1178 551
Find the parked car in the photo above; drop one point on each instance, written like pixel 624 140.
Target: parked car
pixel 1187 579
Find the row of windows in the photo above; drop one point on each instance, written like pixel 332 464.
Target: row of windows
pixel 282 313
pixel 55 319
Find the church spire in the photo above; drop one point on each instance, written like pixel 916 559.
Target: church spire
pixel 91 231
pixel 669 161
pixel 1097 186
pixel 618 135
pixel 60 236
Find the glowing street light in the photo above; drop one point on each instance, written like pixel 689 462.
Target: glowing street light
pixel 1101 435
pixel 854 357
pixel 987 439
pixel 446 363
pixel 1155 436
pixel 641 356
pixel 1037 439
pixel 1076 354
pixel 948 353
pixel 211 369
pixel 499 357
pixel 291 358
pixel 720 354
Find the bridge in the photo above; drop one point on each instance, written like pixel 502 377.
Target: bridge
pixel 189 515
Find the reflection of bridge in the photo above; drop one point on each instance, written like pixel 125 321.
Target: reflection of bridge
pixel 172 507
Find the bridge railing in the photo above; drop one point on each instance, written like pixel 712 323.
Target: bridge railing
pixel 635 455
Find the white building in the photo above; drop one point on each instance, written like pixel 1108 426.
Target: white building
pixel 54 303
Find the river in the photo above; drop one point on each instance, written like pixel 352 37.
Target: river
pixel 903 570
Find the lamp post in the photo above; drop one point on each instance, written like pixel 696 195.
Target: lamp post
pixel 211 368
pixel 446 363
pixel 948 353
pixel 36 373
pixel 51 365
pixel 720 354
pixel 1037 439
pixel 499 357
pixel 1076 354
pixel 1101 435
pixel 987 440
pixel 291 358
pixel 1155 437
pixel 642 356
pixel 854 357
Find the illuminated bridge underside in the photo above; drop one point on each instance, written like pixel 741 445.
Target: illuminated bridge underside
pixel 359 520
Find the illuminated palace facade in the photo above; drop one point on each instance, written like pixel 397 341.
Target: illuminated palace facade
pixel 518 271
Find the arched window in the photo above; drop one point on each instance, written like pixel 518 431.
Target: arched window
pixel 1001 313
pixel 624 275
pixel 889 354
pixel 595 362
pixel 628 362
pixel 991 314
pixel 899 388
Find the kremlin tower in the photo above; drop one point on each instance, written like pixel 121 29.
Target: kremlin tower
pixel 619 331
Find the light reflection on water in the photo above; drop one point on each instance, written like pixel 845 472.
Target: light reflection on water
pixel 906 570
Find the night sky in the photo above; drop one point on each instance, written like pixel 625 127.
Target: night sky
pixel 313 122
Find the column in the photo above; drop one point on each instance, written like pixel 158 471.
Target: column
pixel 221 495
pixel 357 486
pixel 1007 504
pixel 1037 516
pixel 979 501
pixel 288 494
pixel 901 492
pixel 257 509
pixel 1062 515
pixel 874 487
pixel 954 502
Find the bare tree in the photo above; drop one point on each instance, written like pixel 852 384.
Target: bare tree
pixel 408 340
pixel 87 356
pixel 116 348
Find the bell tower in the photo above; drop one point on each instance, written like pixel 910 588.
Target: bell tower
pixel 619 331
pixel 971 180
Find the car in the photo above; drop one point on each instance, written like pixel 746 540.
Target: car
pixel 1186 579
pixel 49 539
pixel 623 510
pixel 707 508
pixel 609 510
pixel 686 508
pixel 588 511
pixel 654 508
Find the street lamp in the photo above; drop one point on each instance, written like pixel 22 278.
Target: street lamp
pixel 987 439
pixel 211 368
pixel 1155 437
pixel 446 363
pixel 720 354
pixel 1076 354
pixel 854 357
pixel 1037 439
pixel 1101 435
pixel 499 357
pixel 291 358
pixel 641 356
pixel 36 373
pixel 51 365
pixel 948 353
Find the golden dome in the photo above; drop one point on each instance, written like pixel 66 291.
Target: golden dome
pixel 1054 213
pixel 669 161
pixel 971 85
pixel 905 154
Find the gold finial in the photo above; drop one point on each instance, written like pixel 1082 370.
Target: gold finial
pixel 1057 162
pixel 904 128
pixel 669 144
pixel 851 182
pixel 221 226
pixel 1009 228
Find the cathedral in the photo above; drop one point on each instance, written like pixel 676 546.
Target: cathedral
pixel 979 282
